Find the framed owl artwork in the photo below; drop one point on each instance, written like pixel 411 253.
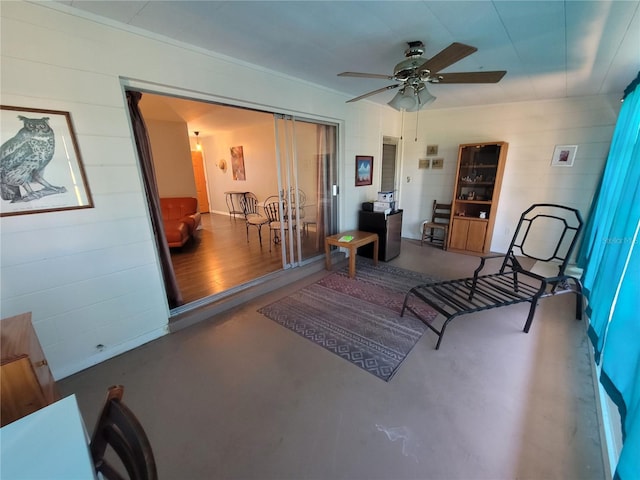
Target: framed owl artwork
pixel 40 165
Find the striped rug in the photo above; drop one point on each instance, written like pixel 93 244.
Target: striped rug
pixel 357 319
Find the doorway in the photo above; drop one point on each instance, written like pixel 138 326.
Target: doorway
pixel 291 158
pixel 389 160
pixel 200 177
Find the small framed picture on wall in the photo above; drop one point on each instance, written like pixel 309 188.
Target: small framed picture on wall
pixel 237 163
pixel 564 155
pixel 364 170
pixel 437 163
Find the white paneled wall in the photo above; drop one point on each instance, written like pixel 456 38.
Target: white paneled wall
pixel 171 158
pixel 365 130
pixel 532 129
pixel 91 277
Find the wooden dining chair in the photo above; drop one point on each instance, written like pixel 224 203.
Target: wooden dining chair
pixel 118 428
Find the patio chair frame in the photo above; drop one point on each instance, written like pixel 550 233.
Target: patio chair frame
pixel 513 283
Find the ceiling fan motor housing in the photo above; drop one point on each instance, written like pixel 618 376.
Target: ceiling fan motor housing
pixel 407 68
pixel 415 48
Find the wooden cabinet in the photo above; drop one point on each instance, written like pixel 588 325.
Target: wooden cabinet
pixel 468 234
pixel 476 195
pixel 25 379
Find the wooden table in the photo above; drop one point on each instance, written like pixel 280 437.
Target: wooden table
pixel 359 239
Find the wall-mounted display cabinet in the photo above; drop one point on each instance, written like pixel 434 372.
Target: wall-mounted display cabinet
pixel 476 195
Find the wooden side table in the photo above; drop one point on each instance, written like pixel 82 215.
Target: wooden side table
pixel 359 239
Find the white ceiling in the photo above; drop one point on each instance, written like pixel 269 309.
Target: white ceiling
pixel 550 49
pixel 205 118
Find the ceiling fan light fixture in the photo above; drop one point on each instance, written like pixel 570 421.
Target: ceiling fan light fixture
pixel 424 97
pixel 409 100
pixel 405 99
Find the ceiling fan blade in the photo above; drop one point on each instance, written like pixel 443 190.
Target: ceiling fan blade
pixel 365 75
pixel 380 90
pixel 450 55
pixel 471 77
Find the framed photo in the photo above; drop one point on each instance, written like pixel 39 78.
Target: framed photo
pixel 437 163
pixel 364 170
pixel 564 155
pixel 237 163
pixel 432 149
pixel 423 163
pixel 40 163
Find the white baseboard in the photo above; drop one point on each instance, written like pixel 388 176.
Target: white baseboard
pixel 100 357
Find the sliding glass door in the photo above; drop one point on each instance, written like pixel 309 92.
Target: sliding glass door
pixel 306 157
pixel 290 159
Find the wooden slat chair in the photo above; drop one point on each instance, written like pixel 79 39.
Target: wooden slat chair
pixel 545 233
pixel 436 231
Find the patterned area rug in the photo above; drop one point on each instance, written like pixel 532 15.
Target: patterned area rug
pixel 357 319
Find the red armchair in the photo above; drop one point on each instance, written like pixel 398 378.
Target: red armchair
pixel 181 219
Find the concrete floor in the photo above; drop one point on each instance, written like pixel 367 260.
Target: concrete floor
pixel 240 397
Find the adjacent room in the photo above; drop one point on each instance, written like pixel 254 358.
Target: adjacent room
pixel 323 240
pixel 221 158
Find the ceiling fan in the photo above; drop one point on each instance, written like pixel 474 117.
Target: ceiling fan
pixel 415 72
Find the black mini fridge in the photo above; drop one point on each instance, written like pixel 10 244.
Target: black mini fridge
pixel 389 230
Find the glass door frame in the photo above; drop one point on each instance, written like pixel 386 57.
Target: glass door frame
pixel 289 174
pixel 210 98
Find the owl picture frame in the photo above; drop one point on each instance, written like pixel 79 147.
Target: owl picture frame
pixel 40 165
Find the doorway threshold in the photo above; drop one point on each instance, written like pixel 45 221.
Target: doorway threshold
pixel 194 312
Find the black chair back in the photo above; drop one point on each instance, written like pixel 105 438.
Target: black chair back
pixel 249 204
pixel 546 233
pixel 119 428
pixel 272 207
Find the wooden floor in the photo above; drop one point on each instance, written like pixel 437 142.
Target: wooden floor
pixel 219 258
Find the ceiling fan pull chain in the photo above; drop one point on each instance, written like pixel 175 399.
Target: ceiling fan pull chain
pixel 417 118
pixel 401 124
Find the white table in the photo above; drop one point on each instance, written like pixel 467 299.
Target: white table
pixel 50 443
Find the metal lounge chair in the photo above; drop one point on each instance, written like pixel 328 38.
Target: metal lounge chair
pixel 546 234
